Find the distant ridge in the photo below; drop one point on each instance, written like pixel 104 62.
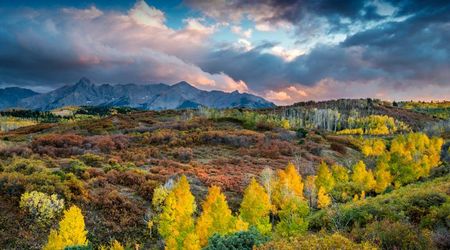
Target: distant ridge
pixel 9 97
pixel 160 96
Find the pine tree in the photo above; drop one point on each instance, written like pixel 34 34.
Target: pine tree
pixel 176 224
pixel 323 199
pixel 71 231
pixel 325 178
pixel 362 177
pixel 216 217
pixel 255 207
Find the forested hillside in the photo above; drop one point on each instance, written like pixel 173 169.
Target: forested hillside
pixel 346 174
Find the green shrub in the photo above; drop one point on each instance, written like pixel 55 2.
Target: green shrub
pixel 240 240
pixel 76 167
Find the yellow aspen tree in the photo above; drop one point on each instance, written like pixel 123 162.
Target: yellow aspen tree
pixel 292 217
pixel 268 181
pixel 324 178
pixel 255 207
pixel 382 176
pixel 216 217
pixel 323 199
pixel 289 182
pixel 175 223
pixel 71 231
pixel 311 190
pixel 340 173
pixel 362 177
pixel 116 246
pixel 292 180
pixel 54 242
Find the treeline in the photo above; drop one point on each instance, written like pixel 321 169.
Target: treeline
pixel 325 119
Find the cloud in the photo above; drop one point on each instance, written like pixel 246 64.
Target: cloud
pixel 59 46
pixel 327 49
pixel 242 32
pixel 393 58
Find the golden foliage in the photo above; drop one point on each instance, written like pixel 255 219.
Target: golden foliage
pixel 323 199
pixel 216 217
pixel 362 177
pixel 255 207
pixel 71 231
pixel 176 224
pixel 324 178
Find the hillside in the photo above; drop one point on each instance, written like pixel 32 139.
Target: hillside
pixel 111 162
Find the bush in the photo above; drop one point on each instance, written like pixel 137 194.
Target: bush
pixel 240 240
pixel 183 154
pixel 41 207
pixel 301 133
pixel 76 167
pixel 335 241
pixel 395 235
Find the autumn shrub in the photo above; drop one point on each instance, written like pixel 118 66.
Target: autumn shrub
pixel 313 241
pixel 395 235
pixel 242 139
pixel 245 240
pixel 57 145
pixel 25 166
pixel 21 151
pixel 128 178
pixel 92 160
pixel 14 184
pixel 41 207
pixel 183 154
pixel 76 167
pixel 422 203
pixel 106 143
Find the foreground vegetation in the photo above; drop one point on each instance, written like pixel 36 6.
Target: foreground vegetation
pixel 232 179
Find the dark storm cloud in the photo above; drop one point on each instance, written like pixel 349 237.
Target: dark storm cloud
pixel 414 51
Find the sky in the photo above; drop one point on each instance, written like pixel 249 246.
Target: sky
pixel 283 50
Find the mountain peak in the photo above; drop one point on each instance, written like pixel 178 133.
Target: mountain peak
pixel 84 82
pixel 178 96
pixel 183 84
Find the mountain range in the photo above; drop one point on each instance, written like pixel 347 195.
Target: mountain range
pixel 149 97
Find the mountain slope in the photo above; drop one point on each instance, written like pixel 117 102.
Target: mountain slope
pixel 9 97
pixel 151 97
